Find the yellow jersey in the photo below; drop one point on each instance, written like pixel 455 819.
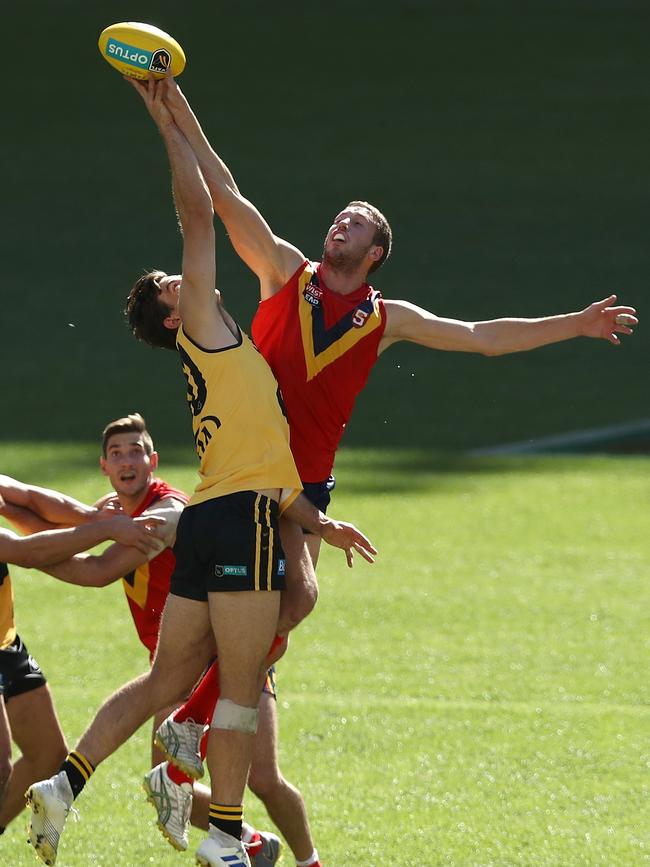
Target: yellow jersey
pixel 7 625
pixel 241 433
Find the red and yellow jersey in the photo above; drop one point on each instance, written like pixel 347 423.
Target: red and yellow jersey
pixel 147 586
pixel 7 625
pixel 321 346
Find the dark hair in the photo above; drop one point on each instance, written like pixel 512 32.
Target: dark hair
pixel 133 423
pixel 383 232
pixel 146 313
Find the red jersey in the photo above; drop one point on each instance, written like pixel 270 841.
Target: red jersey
pixel 147 586
pixel 321 346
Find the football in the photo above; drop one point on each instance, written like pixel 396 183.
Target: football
pixel 136 49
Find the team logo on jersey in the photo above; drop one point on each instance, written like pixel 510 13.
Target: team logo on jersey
pixel 323 344
pixel 204 431
pixel 313 294
pixel 282 567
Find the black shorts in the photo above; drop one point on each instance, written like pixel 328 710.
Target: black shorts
pixel 19 672
pixel 318 494
pixel 228 543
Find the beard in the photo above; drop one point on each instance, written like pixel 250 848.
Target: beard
pixel 344 260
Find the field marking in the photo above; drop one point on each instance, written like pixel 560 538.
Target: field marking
pixel 571 441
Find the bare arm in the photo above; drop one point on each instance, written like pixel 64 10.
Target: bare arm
pixel 52 546
pixel 100 570
pixel 199 310
pixel 269 257
pixel 406 321
pixel 53 507
pixel 339 534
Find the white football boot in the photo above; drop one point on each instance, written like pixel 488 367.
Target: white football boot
pixel 50 802
pixel 172 802
pixel 181 744
pixel 221 850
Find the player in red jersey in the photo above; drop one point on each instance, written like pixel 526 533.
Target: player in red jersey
pixel 321 327
pixel 129 461
pixel 27 713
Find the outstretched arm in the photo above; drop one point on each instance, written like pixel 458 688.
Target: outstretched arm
pixel 269 257
pixel 52 546
pixel 199 311
pixel 406 321
pixel 100 570
pixel 51 507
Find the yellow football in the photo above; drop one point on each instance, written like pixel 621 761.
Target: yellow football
pixel 137 49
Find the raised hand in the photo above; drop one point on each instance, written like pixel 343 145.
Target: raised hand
pixel 152 92
pixel 602 319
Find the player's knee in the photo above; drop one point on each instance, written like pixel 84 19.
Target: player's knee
pixel 264 779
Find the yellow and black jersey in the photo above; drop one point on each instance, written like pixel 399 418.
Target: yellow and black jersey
pixel 7 625
pixel 241 433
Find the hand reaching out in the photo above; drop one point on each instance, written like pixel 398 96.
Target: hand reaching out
pixel 603 320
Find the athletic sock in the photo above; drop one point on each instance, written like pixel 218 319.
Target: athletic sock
pixel 200 705
pixel 177 776
pixel 313 859
pixel 227 818
pixel 78 770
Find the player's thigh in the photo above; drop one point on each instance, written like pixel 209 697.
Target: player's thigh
pixel 35 726
pixel 185 645
pixel 244 624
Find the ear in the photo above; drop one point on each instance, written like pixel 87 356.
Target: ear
pixel 153 458
pixel 376 253
pixel 102 464
pixel 172 321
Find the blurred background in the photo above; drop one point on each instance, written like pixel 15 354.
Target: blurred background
pixel 507 143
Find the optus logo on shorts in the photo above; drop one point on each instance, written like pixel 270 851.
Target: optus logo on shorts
pixel 237 571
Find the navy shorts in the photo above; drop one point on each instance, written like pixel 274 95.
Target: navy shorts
pixel 19 671
pixel 318 494
pixel 228 543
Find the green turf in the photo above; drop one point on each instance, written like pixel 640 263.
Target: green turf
pixel 479 696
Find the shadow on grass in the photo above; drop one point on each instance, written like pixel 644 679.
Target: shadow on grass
pixel 360 471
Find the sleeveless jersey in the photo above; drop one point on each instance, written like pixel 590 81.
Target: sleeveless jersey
pixel 147 586
pixel 7 625
pixel 321 346
pixel 241 434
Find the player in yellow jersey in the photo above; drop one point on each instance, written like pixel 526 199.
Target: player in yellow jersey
pixel 225 591
pixel 27 712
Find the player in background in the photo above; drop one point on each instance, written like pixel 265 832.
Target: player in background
pixel 322 327
pixel 27 711
pixel 129 460
pixel 225 590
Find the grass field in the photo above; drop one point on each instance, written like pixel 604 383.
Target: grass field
pixel 478 697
